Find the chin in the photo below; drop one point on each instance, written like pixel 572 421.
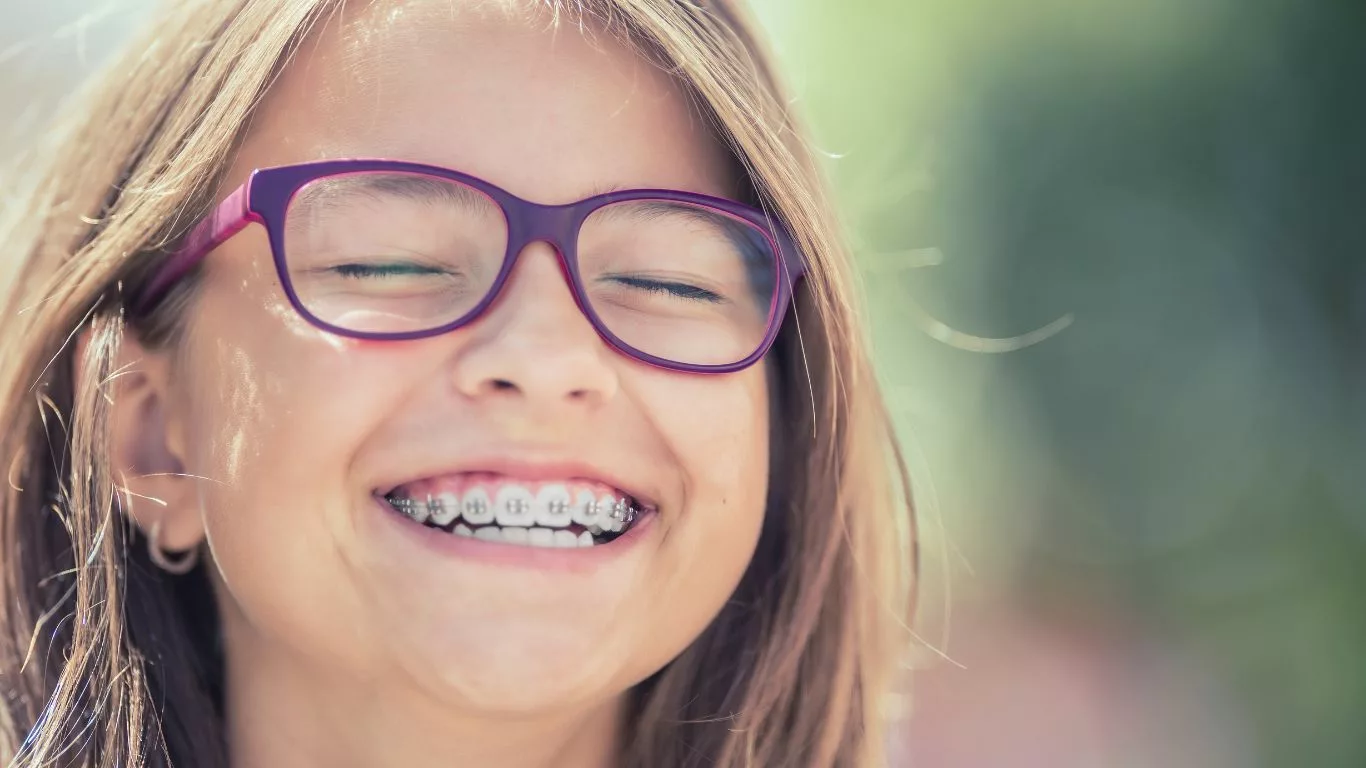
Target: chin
pixel 523 675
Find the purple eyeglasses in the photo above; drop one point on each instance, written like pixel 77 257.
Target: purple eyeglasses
pixel 391 250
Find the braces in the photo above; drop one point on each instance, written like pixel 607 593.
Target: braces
pixel 619 510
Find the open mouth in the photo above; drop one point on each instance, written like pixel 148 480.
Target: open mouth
pixel 564 514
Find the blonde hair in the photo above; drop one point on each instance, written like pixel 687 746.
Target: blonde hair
pixel 107 661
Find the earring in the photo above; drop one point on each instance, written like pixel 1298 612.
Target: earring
pixel 177 567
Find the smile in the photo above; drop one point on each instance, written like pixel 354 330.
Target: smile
pixel 564 514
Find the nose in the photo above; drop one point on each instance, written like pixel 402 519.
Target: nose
pixel 534 343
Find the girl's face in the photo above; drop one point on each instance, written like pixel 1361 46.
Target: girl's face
pixel 298 434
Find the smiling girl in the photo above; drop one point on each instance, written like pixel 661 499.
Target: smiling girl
pixel 447 382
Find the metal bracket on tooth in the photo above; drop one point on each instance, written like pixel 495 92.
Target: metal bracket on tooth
pixel 623 511
pixel 409 508
pixel 620 510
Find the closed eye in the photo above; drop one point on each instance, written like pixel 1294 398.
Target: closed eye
pixel 669 287
pixel 358 271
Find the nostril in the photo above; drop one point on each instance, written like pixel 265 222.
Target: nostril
pixel 503 385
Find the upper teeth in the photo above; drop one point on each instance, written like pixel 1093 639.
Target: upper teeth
pixel 517 507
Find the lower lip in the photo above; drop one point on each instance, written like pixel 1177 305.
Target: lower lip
pixel 567 559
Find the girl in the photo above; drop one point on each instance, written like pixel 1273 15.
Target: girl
pixel 445 382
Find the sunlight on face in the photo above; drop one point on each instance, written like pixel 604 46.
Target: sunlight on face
pixel 300 432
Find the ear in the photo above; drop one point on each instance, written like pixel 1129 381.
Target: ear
pixel 147 447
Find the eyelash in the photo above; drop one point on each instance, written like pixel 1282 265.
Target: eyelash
pixel 362 271
pixel 677 290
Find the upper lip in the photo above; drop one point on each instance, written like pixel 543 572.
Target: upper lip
pixel 532 471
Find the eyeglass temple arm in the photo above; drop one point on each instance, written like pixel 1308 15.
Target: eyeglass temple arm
pixel 226 220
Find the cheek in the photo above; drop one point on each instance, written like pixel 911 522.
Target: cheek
pixel 718 434
pixel 717 429
pixel 264 386
pixel 722 441
pixel 274 416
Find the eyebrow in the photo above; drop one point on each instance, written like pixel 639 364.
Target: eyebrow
pixel 405 186
pixel 649 210
pixel 757 257
pixel 598 190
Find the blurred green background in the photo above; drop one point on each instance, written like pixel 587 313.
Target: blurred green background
pixel 1113 252
pixel 1146 531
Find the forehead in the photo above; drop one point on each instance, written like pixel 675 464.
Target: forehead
pixel 551 109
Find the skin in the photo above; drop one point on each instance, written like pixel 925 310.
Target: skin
pixel 347 644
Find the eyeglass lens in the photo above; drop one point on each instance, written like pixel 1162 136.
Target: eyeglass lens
pixel 385 252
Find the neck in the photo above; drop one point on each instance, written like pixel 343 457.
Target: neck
pixel 284 710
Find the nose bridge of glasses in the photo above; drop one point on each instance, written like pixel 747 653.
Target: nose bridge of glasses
pixel 554 225
pixel 529 222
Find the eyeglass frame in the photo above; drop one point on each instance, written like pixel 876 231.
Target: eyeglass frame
pixel 266 195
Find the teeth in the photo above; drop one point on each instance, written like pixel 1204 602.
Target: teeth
pixel 606 506
pixel 605 503
pixel 515 506
pixel 585 509
pixel 552 507
pixel 478 507
pixel 446 509
pixel 414 510
pixel 524 518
